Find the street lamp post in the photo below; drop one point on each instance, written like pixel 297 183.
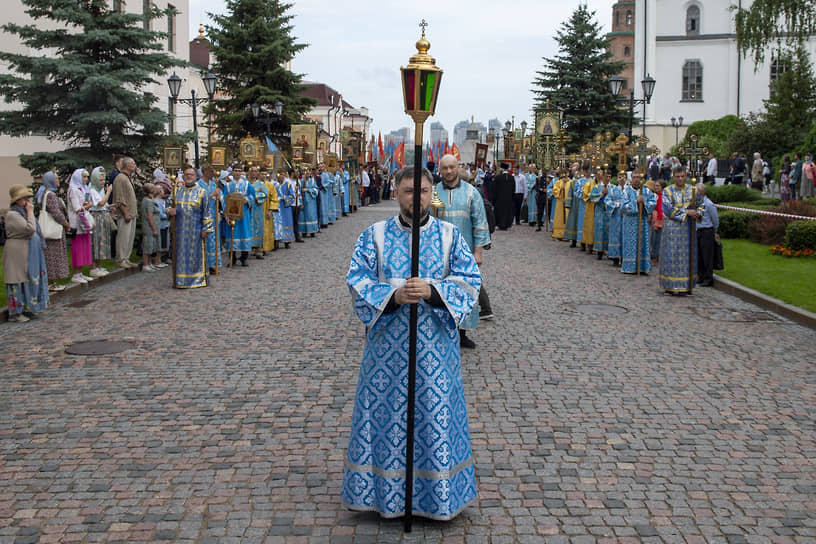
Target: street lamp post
pixel 174 82
pixel 495 134
pixel 267 119
pixel 420 89
pixel 677 123
pixel 648 85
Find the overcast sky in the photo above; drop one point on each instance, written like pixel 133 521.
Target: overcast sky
pixel 489 51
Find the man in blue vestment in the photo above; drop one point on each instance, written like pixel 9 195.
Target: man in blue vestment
pixel 614 203
pixel 192 225
pixel 638 203
pixel 209 183
pixel 324 186
pixel 344 180
pixel 464 208
pixel 678 247
pixel 445 292
pixel 532 205
pixel 241 237
pixel 258 214
pixel 307 220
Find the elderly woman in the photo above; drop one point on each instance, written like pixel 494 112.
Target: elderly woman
pixel 757 176
pixel 56 253
pixel 23 258
pixel 101 235
pixel 80 220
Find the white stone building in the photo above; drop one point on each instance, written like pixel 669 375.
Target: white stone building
pixel 690 48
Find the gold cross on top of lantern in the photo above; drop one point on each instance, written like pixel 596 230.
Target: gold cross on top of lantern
pixel 420 81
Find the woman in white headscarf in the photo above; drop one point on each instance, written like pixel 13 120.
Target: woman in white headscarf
pixel 101 235
pixel 79 218
pixel 56 254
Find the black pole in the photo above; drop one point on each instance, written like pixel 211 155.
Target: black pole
pixel 412 341
pixel 194 104
pixel 631 111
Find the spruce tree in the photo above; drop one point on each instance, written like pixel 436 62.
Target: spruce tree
pixel 252 44
pixel 83 86
pixel 576 80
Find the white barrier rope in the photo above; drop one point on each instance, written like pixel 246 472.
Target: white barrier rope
pixel 763 212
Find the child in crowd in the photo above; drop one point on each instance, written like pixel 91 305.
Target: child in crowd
pixel 160 195
pixel 149 214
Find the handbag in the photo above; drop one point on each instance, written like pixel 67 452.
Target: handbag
pixel 718 256
pixel 50 228
pixel 86 220
pixel 524 211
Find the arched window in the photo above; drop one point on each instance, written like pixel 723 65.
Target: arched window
pixel 693 81
pixel 693 20
pixel 617 18
pixel 627 51
pixel 628 17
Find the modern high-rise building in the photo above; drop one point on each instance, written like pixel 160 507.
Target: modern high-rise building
pixel 438 132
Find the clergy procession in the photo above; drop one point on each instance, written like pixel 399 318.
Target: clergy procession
pixel 263 319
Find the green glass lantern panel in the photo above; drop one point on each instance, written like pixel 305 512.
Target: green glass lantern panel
pixel 427 85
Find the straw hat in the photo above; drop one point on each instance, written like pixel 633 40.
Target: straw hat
pixel 16 192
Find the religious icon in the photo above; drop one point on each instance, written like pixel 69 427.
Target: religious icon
pixel 547 126
pixel 297 153
pixel 331 161
pixel 481 154
pixel 305 137
pixel 250 149
pixel 218 156
pixel 172 157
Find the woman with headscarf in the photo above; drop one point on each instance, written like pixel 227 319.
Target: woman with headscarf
pixel 78 217
pixel 56 253
pixel 101 235
pixel 23 258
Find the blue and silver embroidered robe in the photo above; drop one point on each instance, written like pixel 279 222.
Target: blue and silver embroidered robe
pixel 531 198
pixel 331 204
pixel 553 200
pixel 324 185
pixel 213 245
pixel 614 202
pixel 307 220
pixel 242 237
pixel 464 208
pixel 600 228
pixel 277 225
pixel 678 246
pixel 444 479
pixel 286 199
pixel 192 220
pixel 338 197
pixel 629 230
pixel 258 214
pixel 346 193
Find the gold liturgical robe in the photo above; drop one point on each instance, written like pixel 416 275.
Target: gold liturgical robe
pixel 270 205
pixel 588 234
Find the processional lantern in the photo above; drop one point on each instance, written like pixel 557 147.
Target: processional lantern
pixel 420 89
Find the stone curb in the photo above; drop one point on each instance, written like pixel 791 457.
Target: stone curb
pixel 76 290
pixel 800 315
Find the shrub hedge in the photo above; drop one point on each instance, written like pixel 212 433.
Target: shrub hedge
pixel 801 235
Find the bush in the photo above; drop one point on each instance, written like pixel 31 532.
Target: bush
pixel 732 193
pixel 734 224
pixel 801 235
pixel 768 229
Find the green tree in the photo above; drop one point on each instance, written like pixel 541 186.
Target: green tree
pixel 252 44
pixel 576 80
pixel 713 134
pixel 769 22
pixel 83 85
pixel 792 100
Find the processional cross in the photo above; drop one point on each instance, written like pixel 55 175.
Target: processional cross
pixel 642 151
pixel 620 148
pixel 693 153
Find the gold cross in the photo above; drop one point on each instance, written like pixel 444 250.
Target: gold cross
pixel 693 153
pixel 642 150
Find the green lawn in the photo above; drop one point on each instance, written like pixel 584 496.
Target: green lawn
pixel 792 280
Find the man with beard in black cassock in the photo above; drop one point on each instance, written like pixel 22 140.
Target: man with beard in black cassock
pixel 503 187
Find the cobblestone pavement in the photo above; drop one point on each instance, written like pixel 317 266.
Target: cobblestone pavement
pixel 674 420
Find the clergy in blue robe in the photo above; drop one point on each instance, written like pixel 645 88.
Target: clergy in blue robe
pixel 601 225
pixel 209 183
pixel 259 216
pixel 276 215
pixel 631 220
pixel 445 292
pixel 193 223
pixel 614 203
pixel 464 207
pixel 346 182
pixel 324 185
pixel 571 229
pixel 678 255
pixel 553 200
pixel 338 193
pixel 331 190
pixel 307 221
pixel 530 197
pixel 241 238
pixel 286 199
